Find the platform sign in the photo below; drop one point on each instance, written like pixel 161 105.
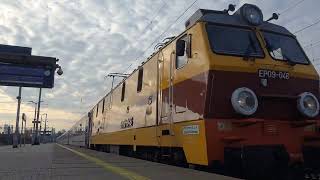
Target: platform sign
pixel 19 68
pixel 26 76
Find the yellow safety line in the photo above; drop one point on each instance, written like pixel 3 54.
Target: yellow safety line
pixel 107 166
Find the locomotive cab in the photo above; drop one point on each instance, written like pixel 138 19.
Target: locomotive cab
pixel 261 104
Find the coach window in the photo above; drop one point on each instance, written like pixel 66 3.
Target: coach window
pixel 140 80
pixel 103 105
pixel 123 91
pixel 183 51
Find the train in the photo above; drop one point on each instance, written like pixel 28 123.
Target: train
pixel 233 92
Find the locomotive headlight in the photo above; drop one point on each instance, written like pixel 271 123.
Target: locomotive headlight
pixel 252 14
pixel 308 104
pixel 244 101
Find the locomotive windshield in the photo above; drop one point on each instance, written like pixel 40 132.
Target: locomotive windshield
pixel 234 41
pixel 286 48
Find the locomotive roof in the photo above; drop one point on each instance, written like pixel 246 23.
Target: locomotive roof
pixel 223 17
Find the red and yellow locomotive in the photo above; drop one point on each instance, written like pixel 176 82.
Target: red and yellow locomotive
pixel 232 92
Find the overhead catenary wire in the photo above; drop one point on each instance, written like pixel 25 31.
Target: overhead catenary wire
pixel 164 2
pixel 148 25
pixel 168 28
pixel 183 20
pixel 307 27
pixel 313 44
pixel 316 64
pixel 291 7
pixel 154 17
pixel 127 68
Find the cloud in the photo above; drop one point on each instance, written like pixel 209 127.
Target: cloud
pixel 96 37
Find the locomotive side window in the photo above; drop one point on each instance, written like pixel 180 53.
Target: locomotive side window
pixel 234 41
pixel 123 91
pixel 140 80
pixel 286 48
pixel 183 51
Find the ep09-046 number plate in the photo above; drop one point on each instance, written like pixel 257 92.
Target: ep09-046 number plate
pixel 264 73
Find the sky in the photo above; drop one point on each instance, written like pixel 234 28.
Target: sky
pixel 92 38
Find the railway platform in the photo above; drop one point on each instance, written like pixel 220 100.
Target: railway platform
pixel 60 162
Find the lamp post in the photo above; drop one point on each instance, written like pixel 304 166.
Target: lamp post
pixel 23 130
pixel 45 125
pixel 40 123
pixel 35 113
pixel 16 134
pixel 36 120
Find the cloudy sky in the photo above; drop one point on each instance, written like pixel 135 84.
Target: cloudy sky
pixel 95 37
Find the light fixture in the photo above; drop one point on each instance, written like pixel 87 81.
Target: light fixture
pixel 308 105
pixel 252 14
pixel 244 101
pixel 59 71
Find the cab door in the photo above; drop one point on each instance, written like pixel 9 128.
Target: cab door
pixel 165 87
pixel 169 62
pixel 180 72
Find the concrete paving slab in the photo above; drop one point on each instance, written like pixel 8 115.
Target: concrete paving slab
pixel 152 170
pixel 55 162
pixel 48 162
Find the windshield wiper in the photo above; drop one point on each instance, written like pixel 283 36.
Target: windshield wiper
pixel 270 49
pixel 289 60
pixel 268 45
pixel 250 45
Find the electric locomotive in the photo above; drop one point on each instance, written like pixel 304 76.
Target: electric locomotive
pixel 232 92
